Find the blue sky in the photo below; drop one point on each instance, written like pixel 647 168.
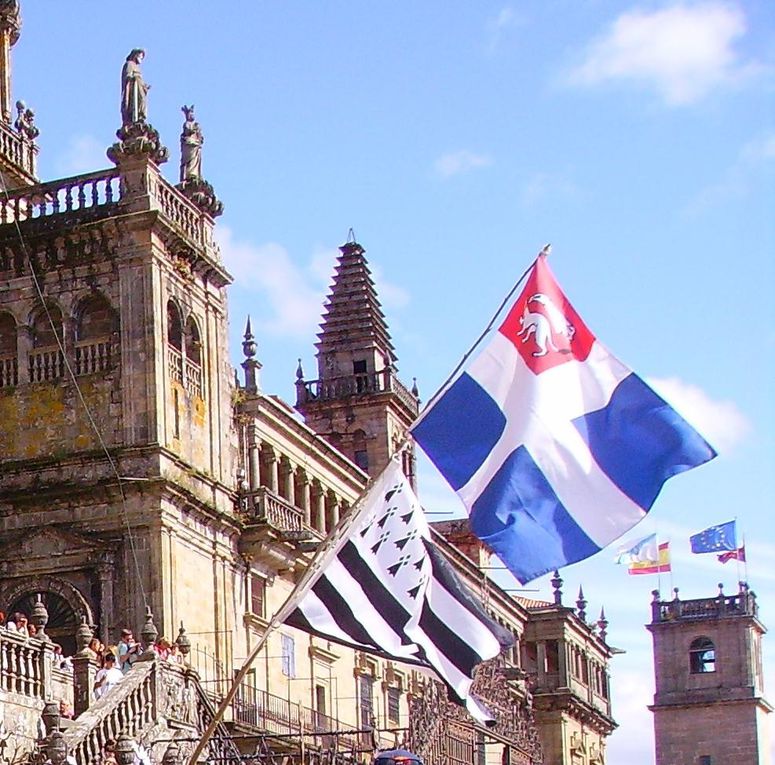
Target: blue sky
pixel 457 139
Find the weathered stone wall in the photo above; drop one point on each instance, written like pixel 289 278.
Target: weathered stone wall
pixel 726 732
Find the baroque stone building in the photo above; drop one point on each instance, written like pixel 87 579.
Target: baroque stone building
pixel 142 485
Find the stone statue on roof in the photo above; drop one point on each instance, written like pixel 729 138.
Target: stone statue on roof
pixel 191 140
pixel 134 91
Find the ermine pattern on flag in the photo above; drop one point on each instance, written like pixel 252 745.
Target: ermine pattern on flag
pixel 555 447
pixel 389 590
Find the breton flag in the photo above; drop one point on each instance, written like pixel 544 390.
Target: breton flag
pixel 555 447
pixel 389 591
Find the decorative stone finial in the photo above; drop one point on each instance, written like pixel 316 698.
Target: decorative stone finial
pixel 581 605
pixel 125 750
pixel 172 755
pixel 602 624
pixel 557 584
pixel 50 716
pixel 25 122
pixel 56 748
pixel 675 593
pixel 415 389
pixel 39 617
pixel 251 365
pixel 299 372
pixel 182 641
pixel 149 632
pixel 83 636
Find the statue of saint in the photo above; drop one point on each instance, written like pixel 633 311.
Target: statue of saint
pixel 134 92
pixel 191 140
pixel 25 121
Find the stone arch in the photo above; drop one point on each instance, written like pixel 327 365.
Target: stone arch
pixel 41 319
pixel 193 341
pixel 174 325
pixel 70 605
pixel 95 317
pixel 702 656
pixel 7 334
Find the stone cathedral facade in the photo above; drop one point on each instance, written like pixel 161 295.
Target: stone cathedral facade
pixel 145 483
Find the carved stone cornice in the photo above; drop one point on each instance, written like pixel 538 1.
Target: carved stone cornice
pixel 202 194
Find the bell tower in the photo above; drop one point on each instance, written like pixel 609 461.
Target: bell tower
pixel 357 403
pixel 709 706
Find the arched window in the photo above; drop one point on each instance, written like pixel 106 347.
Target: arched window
pixel 9 360
pixel 46 360
pixel 94 327
pixel 174 342
pixel 702 656
pixel 193 353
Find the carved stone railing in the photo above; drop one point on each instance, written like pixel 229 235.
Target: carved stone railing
pixel 175 364
pixel 344 386
pixel 9 371
pixel 153 694
pixel 19 150
pixel 81 192
pixel 742 604
pixel 184 215
pixel 275 511
pixel 46 365
pixel 91 357
pixel 193 378
pixel 23 665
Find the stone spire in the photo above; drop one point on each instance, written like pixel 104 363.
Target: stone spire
pixel 357 403
pixel 353 316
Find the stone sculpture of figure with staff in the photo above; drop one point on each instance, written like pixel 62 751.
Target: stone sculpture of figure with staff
pixel 134 91
pixel 191 140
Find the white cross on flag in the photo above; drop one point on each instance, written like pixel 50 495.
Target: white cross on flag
pixel 388 590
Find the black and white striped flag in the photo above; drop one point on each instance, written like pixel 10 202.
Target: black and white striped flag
pixel 386 589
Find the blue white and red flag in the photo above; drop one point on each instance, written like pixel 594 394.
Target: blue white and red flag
pixel 555 447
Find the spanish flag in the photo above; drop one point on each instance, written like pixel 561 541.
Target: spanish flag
pixel 659 564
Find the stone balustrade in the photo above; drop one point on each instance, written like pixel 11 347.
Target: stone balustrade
pixel 183 214
pixel 383 381
pixel 277 512
pixel 67 195
pixel 24 668
pixel 19 150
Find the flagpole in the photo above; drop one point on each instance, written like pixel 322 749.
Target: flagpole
pixel 745 560
pixel 545 251
pixel 327 549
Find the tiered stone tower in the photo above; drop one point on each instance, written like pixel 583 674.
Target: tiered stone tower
pixel 116 441
pixel 357 403
pixel 709 706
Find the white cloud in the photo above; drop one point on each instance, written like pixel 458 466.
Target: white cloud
pixel 459 162
pixel 721 422
pixel 541 186
pixel 292 296
pixel 498 25
pixel 740 177
pixel 84 154
pixel 682 51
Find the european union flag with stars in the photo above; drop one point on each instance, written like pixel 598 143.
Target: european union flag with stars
pixel 715 539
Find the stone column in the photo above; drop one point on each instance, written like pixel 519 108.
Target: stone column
pixel 541 663
pixel 289 489
pixel 254 457
pixel 319 509
pixel 334 507
pixel 105 574
pixel 304 498
pixel 562 663
pixel 270 461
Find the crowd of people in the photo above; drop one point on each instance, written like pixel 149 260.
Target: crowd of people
pixel 114 660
